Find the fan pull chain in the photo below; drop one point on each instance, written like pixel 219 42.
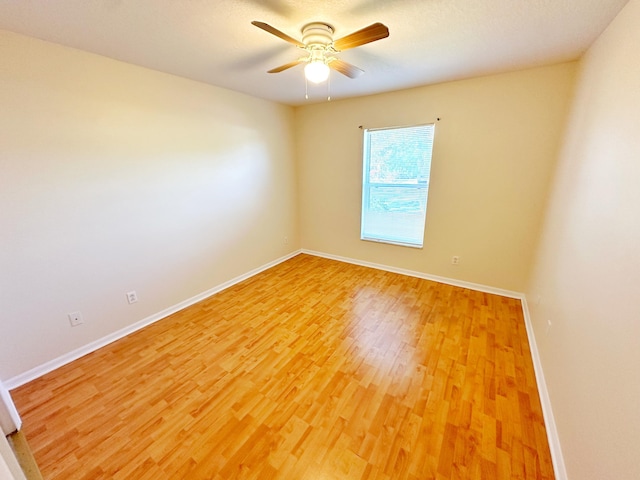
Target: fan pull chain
pixel 306 88
pixel 329 87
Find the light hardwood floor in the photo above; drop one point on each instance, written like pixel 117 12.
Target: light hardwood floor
pixel 314 369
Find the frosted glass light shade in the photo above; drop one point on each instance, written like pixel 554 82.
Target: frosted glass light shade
pixel 316 71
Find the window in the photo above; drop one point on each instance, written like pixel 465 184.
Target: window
pixel 396 167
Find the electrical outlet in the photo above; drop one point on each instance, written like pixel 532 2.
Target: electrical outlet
pixel 286 240
pixel 455 260
pixel 75 319
pixel 132 296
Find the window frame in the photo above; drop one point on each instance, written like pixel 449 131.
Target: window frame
pixel 366 188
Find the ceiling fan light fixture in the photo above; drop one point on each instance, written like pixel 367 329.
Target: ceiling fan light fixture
pixel 316 71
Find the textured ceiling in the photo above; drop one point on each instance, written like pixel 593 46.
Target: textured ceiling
pixel 213 41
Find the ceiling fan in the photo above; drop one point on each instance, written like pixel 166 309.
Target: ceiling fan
pixel 320 48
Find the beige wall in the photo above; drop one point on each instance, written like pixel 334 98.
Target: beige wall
pixel 117 178
pixel 495 148
pixel 587 275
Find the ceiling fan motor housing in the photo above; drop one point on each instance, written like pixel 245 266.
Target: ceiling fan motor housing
pixel 317 35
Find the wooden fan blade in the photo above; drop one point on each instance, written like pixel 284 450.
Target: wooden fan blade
pixel 345 68
pixel 285 66
pixel 376 31
pixel 274 31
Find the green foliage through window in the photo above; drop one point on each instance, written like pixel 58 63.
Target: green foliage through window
pixel 397 166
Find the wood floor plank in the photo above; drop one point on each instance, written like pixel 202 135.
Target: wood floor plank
pixel 312 369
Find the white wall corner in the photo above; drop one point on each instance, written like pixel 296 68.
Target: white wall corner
pixel 9 418
pixel 549 421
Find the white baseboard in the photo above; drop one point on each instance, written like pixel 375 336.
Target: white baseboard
pixel 425 276
pixel 58 362
pixel 549 420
